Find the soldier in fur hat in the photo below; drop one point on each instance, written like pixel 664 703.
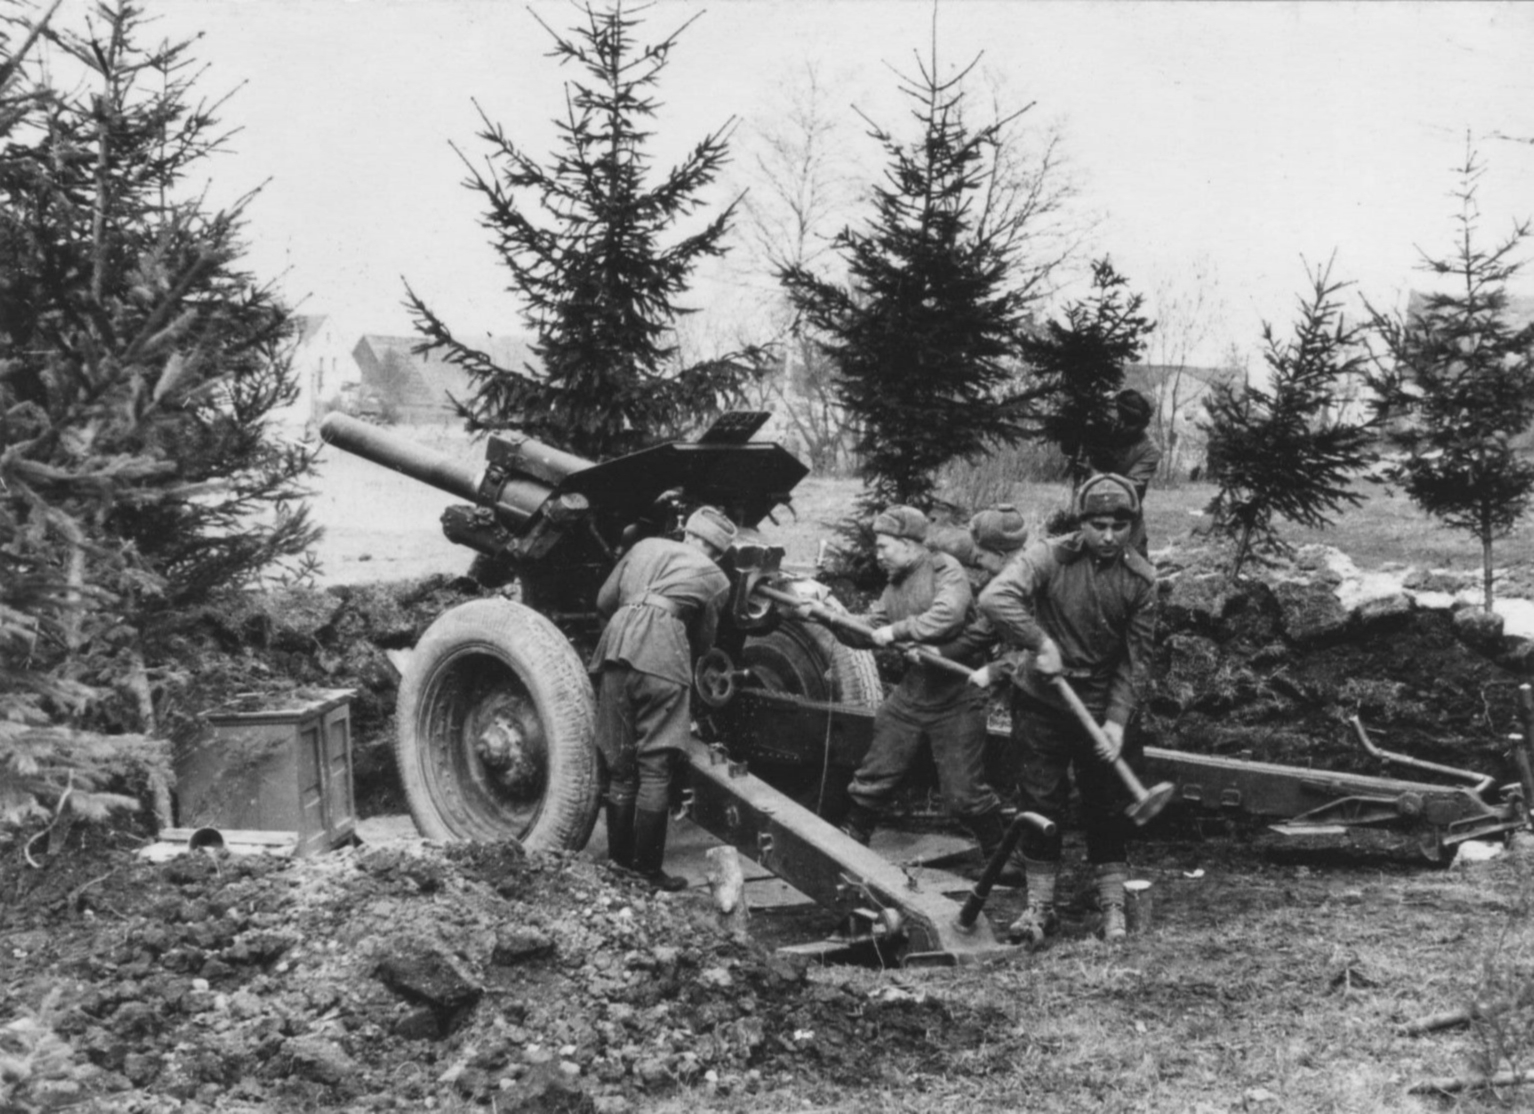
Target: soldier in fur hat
pixel 1082 606
pixel 662 600
pixel 928 601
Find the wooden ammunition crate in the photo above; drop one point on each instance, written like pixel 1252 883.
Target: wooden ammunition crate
pixel 281 763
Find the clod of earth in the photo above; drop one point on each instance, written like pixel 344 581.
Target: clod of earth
pixel 343 979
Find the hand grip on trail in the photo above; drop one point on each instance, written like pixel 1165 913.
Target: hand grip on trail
pixel 981 890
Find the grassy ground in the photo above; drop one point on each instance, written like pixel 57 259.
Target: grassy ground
pixel 1275 980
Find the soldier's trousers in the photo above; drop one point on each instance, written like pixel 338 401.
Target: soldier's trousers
pixel 957 734
pixel 1052 741
pixel 642 721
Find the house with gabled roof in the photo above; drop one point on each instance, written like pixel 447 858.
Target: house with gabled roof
pixel 1518 313
pixel 1178 393
pixel 323 370
pixel 418 388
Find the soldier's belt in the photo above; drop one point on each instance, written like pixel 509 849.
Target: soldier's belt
pixel 661 603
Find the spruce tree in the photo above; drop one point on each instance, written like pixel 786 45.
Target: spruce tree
pixel 1456 382
pixel 1075 367
pixel 137 363
pixel 584 238
pixel 1288 449
pixel 923 334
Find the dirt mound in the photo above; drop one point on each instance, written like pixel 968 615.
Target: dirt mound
pixel 1276 668
pixel 399 977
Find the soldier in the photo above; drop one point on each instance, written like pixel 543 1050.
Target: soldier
pixel 998 533
pixel 1084 606
pixel 927 601
pixel 663 600
pixel 1131 454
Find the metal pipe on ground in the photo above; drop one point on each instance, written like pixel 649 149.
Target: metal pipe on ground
pixel 987 881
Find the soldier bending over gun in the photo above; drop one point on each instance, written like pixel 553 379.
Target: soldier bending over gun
pixel 663 600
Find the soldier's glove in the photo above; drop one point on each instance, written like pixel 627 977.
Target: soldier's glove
pixel 1112 744
pixel 981 678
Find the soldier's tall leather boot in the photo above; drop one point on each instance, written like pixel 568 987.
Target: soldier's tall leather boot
pixel 1038 920
pixel 619 816
pixel 1110 898
pixel 650 850
pixel 989 829
pixel 860 823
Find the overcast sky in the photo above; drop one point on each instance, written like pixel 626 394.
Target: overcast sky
pixel 1234 138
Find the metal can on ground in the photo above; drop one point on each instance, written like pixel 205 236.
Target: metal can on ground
pixel 1137 906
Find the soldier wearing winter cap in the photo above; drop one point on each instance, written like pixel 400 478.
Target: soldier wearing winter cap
pixel 998 532
pixel 1082 606
pixel 662 600
pixel 928 601
pixel 712 526
pixel 901 522
pixel 1110 495
pixel 1130 452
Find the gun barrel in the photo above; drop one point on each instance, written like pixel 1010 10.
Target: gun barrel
pixel 403 455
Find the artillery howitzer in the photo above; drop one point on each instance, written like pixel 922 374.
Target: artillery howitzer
pixel 495 714
pixel 495 707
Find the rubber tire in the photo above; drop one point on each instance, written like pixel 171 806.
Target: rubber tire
pixel 805 659
pixel 800 658
pixel 509 651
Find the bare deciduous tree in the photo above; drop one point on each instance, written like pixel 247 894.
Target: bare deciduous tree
pixel 1187 309
pixel 802 188
pixel 1030 205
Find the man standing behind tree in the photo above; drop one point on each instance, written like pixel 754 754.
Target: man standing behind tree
pixel 927 601
pixel 1131 453
pixel 1084 606
pixel 663 600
